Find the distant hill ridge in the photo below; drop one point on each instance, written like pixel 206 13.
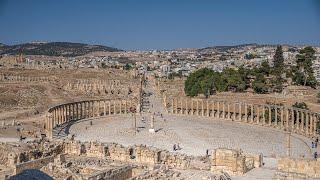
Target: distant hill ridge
pixel 66 49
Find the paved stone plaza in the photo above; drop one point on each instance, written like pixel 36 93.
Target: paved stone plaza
pixel 194 135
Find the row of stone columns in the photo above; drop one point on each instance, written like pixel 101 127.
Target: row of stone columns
pixel 64 113
pixel 290 119
pixel 4 77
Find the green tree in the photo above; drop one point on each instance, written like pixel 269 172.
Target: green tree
pixel 278 68
pixel 259 85
pixel 303 74
pixel 301 105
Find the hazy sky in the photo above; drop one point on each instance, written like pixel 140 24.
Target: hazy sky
pixel 161 24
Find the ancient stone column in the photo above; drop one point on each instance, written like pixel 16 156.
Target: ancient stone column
pixel 307 132
pixel 60 115
pixel 270 118
pixel 246 112
pixel 187 110
pixel 74 111
pixel 165 101
pixel 202 108
pixel 181 104
pixel 120 103
pixel 302 121
pixel 228 109
pixel 172 105
pixel 292 120
pixel 223 110
pixel 109 107
pixel 104 108
pixel 263 114
pixel 298 120
pixel 125 107
pixel 208 110
pixel 77 110
pixel 192 108
pixel 315 121
pixel 176 106
pixel 218 109
pixel 252 114
pixel 86 109
pixel 258 114
pixel 197 107
pixel 276 116
pixel 212 109
pixel 114 107
pixel 287 119
pixel 64 114
pixel 54 113
pixel 234 111
pixel 281 118
pixel 240 113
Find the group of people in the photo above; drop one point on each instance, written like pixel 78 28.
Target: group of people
pixel 314 144
pixel 176 147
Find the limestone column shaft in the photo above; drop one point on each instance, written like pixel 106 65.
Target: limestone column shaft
pixel 223 110
pixel 252 113
pixel 234 111
pixel 114 107
pixel 287 119
pixel 315 125
pixel 77 109
pixel 276 116
pixel 298 120
pixel 292 120
pixel 197 107
pixel 212 109
pixel 258 114
pixel 246 112
pixel 263 115
pixel 228 109
pixel 176 106
pixel 187 110
pixel 302 121
pixel 181 108
pixel 270 118
pixel 240 113
pixel 104 108
pixel 307 132
pixel 109 107
pixel 125 107
pixel 172 106
pixel 218 109
pixel 208 109
pixel 202 108
pixel 192 108
pixel 281 118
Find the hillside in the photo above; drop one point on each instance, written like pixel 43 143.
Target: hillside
pixel 66 49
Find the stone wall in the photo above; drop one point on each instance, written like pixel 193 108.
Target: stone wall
pixel 298 168
pixel 34 164
pixel 233 161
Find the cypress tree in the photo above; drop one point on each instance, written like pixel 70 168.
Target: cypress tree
pixel 278 65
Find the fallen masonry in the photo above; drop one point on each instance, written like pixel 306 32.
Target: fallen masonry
pixel 70 159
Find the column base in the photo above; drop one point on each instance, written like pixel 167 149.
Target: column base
pixel 152 131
